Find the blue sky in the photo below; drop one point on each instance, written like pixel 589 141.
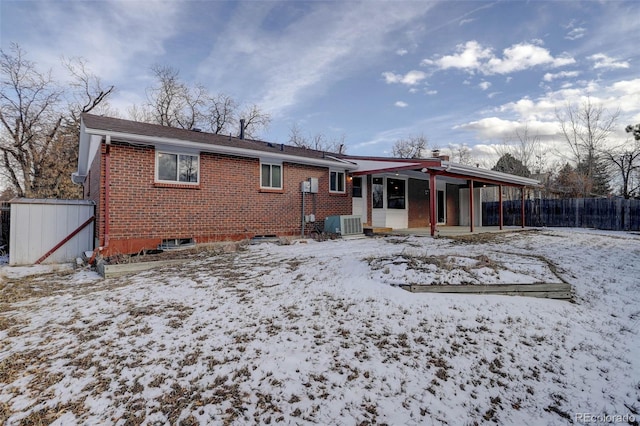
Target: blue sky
pixel 459 72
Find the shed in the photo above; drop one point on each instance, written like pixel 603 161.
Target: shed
pixel 50 230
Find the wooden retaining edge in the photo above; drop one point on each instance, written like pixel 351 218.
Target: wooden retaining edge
pixel 109 271
pixel 561 291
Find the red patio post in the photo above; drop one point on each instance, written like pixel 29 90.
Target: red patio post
pixel 522 205
pixel 500 221
pixel 432 203
pixel 471 220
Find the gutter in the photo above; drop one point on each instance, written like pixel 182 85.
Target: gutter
pixel 107 176
pixel 221 149
pixel 472 172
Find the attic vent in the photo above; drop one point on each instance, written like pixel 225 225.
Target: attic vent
pixel 196 129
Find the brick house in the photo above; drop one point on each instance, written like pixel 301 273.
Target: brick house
pixel 155 185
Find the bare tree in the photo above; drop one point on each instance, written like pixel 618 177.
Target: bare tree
pixel 86 91
pixel 172 102
pixel 219 114
pixel 625 160
pixel 254 120
pixel 526 147
pixel 586 129
pixel 38 126
pixel 411 147
pixel 318 141
pixel 461 154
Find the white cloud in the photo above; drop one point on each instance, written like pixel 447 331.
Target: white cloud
pixel 473 57
pixel 431 92
pixel 562 74
pixel 603 61
pixel 468 57
pixel 484 85
pixel 493 95
pixel 540 114
pixel 411 78
pixel 401 104
pixel 523 56
pixel 401 52
pixel 491 127
pixel 576 33
pixel 466 21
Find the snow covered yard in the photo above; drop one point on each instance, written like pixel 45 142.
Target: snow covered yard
pixel 317 333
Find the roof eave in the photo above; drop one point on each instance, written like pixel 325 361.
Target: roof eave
pixel 221 149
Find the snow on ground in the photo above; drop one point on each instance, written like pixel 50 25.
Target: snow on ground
pixel 317 333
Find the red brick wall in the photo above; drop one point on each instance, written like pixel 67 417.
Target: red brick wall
pixel 228 204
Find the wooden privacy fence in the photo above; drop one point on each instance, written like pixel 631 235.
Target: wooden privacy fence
pixel 615 214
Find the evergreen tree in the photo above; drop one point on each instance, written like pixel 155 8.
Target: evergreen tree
pixel 509 164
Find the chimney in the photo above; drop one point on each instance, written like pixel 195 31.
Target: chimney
pixel 242 128
pixel 435 153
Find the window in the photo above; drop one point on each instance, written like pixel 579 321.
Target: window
pixel 357 187
pixel 182 168
pixel 271 176
pixel 377 193
pixel 395 194
pixel 336 181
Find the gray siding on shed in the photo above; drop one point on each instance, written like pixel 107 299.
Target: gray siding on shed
pixel 39 225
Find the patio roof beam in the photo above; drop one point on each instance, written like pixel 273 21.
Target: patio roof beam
pixel 475 178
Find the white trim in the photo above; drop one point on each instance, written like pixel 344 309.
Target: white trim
pixel 205 147
pixel 177 154
pixel 344 181
pixel 271 164
pixel 477 172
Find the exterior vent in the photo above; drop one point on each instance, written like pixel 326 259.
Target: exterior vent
pixel 343 225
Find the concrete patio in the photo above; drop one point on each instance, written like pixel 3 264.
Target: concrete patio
pixel 451 231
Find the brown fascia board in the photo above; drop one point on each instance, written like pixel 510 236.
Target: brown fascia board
pixel 421 165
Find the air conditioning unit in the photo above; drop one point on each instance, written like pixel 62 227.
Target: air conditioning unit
pixel 343 225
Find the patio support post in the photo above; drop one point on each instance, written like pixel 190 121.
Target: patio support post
pixel 432 203
pixel 471 219
pixel 500 221
pixel 522 205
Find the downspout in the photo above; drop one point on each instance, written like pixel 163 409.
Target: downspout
pixel 107 162
pixel 107 174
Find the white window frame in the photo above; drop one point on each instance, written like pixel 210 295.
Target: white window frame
pixel 271 164
pixel 344 181
pixel 178 154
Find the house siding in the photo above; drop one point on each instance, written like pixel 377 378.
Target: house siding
pixel 418 203
pixel 227 204
pixel 453 204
